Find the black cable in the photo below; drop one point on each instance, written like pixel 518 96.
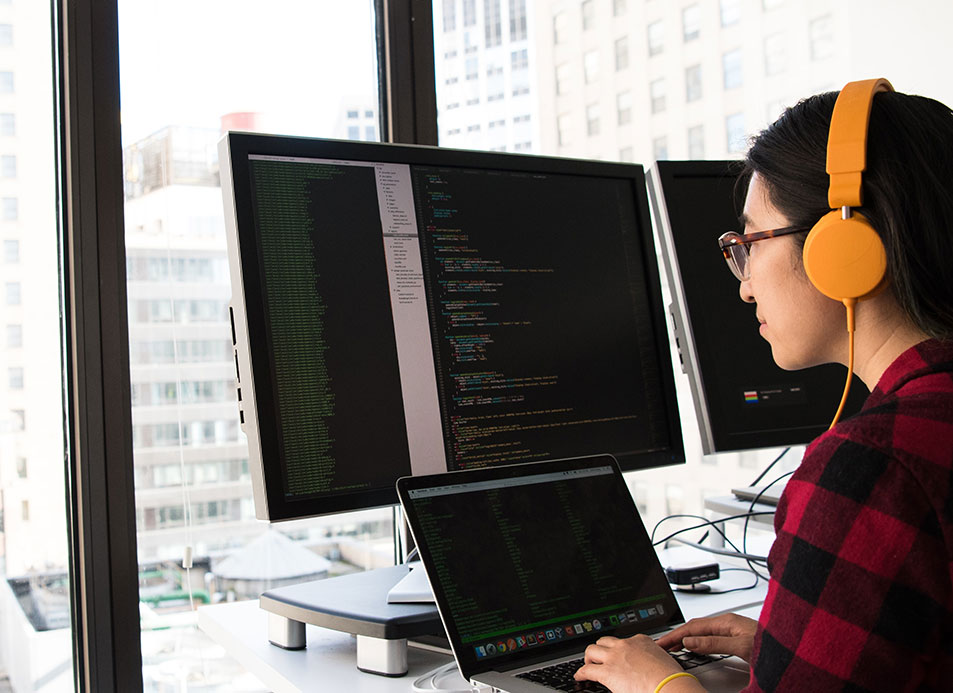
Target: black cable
pixel 706 523
pixel 754 501
pixel 768 468
pixel 722 552
pixel 757 579
pixel 714 524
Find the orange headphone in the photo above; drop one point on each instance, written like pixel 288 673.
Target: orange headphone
pixel 843 254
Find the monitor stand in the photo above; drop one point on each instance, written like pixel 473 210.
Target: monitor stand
pixel 355 604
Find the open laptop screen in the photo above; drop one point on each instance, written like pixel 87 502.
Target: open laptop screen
pixel 529 560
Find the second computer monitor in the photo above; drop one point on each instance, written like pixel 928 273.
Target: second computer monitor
pixel 743 400
pixel 404 310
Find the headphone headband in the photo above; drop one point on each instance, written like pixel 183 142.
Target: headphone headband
pixel 847 141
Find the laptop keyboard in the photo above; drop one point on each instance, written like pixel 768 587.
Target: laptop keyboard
pixel 560 676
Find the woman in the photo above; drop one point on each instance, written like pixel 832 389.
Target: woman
pixel 861 591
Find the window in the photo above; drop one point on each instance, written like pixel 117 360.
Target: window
pixel 472 68
pixel 618 8
pixel 735 132
pixel 8 124
pixel 370 133
pixel 14 336
pixel 15 378
pixel 731 67
pixel 660 148
pixel 821 32
pixel 623 103
pixel 590 66
pixel 21 467
pixel 6 35
pixel 696 142
pixel 562 129
pixel 492 23
pixel 730 12
pixel 691 23
pixel 25 510
pixel 560 27
pixel 517 20
pixel 9 209
pixel 622 53
pixel 562 79
pixel 775 58
pixel 693 83
pixel 519 60
pixel 13 297
pixel 11 252
pixel 469 12
pixel 6 82
pixel 353 132
pixel 588 14
pixel 656 36
pixel 449 15
pixel 627 155
pixel 657 95
pixel 592 119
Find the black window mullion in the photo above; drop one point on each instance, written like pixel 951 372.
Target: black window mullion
pixel 103 564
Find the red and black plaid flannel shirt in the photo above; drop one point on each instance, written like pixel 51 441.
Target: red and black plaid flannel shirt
pixel 861 592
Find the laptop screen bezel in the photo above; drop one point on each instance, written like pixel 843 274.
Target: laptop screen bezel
pixel 466 660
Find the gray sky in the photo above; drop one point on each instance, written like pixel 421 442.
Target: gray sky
pixel 187 62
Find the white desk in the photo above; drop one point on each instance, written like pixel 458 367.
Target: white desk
pixel 328 663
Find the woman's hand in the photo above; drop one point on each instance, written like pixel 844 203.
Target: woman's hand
pixel 726 634
pixel 632 665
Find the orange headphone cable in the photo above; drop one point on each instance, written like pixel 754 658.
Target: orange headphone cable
pixel 849 304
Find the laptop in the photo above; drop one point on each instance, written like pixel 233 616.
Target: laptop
pixel 531 563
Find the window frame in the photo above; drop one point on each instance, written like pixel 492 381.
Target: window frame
pixel 104 591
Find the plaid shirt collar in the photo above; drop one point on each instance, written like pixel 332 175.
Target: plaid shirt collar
pixel 929 356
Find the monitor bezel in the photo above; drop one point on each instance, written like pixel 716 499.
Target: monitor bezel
pixel 256 396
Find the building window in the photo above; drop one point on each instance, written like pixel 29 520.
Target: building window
pixel 821 32
pixel 775 58
pixel 519 60
pixel 696 142
pixel 562 79
pixel 691 22
pixel 469 12
pixel 622 53
pixel 11 252
pixel 14 336
pixel 730 12
pixel 588 14
pixel 627 155
pixel 8 124
pixel 590 66
pixel 623 104
pixel 6 82
pixel 592 119
pixel 735 132
pixel 15 378
pixel 353 132
pixel 13 297
pixel 656 34
pixel 660 148
pixel 618 8
pixel 492 23
pixel 562 129
pixel 9 209
pixel 657 95
pixel 560 27
pixel 517 20
pixel 731 67
pixel 370 135
pixel 25 510
pixel 449 15
pixel 21 467
pixel 693 83
pixel 6 34
pixel 472 69
pixel 352 115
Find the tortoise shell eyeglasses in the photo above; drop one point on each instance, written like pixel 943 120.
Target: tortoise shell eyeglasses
pixel 734 246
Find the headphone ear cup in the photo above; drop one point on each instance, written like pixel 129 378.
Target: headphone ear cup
pixel 845 258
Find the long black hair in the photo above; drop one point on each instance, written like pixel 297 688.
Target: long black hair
pixel 908 190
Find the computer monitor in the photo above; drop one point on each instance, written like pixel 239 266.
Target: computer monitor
pixel 743 400
pixel 405 310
